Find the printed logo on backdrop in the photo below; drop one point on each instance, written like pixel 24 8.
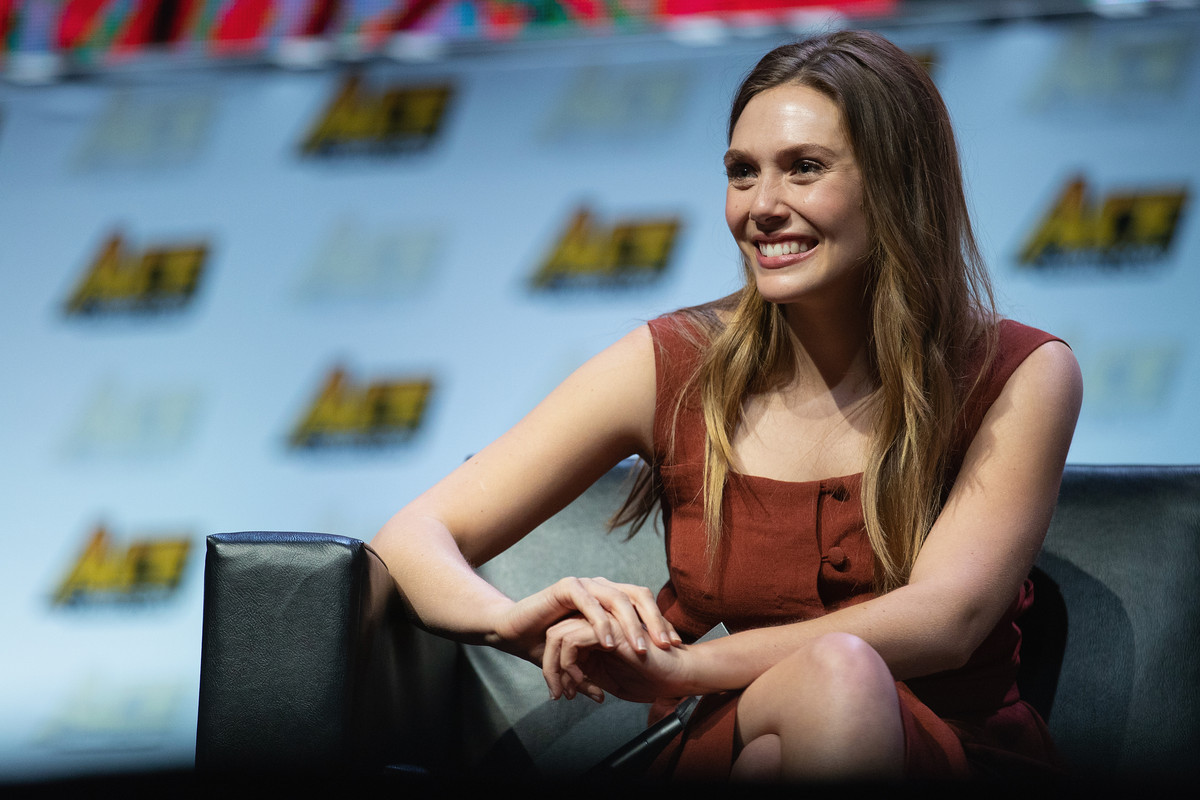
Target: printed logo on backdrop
pixel 362 119
pixel 618 103
pixel 120 422
pixel 1121 69
pixel 1128 229
pixel 145 571
pixel 106 715
pixel 148 130
pixel 350 413
pixel 1131 379
pixel 591 253
pixel 125 280
pixel 362 262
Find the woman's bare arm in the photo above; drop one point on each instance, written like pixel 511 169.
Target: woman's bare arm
pixel 968 572
pixel 599 415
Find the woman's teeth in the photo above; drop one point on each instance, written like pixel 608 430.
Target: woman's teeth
pixel 783 248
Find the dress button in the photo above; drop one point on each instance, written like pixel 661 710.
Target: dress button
pixel 840 494
pixel 837 558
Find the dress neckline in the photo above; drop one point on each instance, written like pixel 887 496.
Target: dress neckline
pixel 855 477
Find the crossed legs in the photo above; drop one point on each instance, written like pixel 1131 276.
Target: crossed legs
pixel 827 712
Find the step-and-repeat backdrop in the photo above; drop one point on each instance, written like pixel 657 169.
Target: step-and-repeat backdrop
pixel 257 299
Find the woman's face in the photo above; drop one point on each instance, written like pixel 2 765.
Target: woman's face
pixel 794 201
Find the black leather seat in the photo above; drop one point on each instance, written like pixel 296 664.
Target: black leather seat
pixel 309 664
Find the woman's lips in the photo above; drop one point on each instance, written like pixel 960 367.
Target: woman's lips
pixel 784 248
pixel 773 255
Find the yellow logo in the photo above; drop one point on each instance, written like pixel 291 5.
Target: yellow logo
pixel 143 571
pixel 121 281
pixel 590 254
pixel 1123 229
pixel 360 121
pixel 374 414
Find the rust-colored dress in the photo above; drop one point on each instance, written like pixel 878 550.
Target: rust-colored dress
pixel 795 551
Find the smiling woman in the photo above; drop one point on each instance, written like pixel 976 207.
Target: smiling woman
pixel 794 203
pixel 856 461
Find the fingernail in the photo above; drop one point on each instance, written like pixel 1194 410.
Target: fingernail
pixel 608 641
pixel 664 638
pixel 597 696
pixel 641 643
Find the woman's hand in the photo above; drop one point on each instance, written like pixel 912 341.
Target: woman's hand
pixel 614 611
pixel 576 660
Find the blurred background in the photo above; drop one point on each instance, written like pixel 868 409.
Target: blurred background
pixel 280 264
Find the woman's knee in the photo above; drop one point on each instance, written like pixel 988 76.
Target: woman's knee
pixel 834 706
pixel 829 675
pixel 842 659
pixel 830 662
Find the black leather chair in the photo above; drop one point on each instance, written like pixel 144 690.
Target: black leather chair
pixel 309 664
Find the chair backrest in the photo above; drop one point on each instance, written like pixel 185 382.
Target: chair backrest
pixel 512 724
pixel 1112 646
pixel 1111 650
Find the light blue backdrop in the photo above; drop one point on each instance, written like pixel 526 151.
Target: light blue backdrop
pixel 175 425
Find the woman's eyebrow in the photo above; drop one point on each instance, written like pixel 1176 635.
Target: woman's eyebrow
pixel 807 149
pixel 733 156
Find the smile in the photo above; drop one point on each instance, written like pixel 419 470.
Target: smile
pixel 783 248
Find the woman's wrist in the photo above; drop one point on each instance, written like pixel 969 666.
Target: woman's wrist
pixel 496 624
pixel 706 670
pixel 686 676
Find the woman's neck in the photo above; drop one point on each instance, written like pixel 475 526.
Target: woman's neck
pixel 831 350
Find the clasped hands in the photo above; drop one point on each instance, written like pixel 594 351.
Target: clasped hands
pixel 591 636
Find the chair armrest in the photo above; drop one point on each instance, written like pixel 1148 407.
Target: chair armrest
pixel 309 663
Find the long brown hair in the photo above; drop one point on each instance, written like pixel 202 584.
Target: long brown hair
pixel 930 300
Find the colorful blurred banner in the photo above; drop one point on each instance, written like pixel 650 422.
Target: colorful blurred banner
pixel 98 32
pixel 772 8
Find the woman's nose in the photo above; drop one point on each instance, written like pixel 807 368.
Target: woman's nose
pixel 768 203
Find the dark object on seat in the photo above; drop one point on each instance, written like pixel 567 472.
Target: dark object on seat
pixel 307 661
pixel 1111 651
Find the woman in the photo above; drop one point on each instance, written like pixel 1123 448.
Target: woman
pixel 856 463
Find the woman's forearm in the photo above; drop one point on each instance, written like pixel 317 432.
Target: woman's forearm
pixel 913 629
pixel 443 592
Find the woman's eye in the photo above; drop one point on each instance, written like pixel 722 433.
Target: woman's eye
pixel 806 167
pixel 739 172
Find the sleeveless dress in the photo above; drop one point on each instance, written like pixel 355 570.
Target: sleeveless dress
pixel 795 551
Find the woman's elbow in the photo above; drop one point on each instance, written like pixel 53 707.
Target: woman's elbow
pixel 954 629
pixel 967 627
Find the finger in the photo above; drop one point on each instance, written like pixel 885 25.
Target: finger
pixel 550 661
pixel 645 605
pixel 577 638
pixel 661 632
pixel 592 691
pixel 616 599
pixel 560 665
pixel 572 675
pixel 592 609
